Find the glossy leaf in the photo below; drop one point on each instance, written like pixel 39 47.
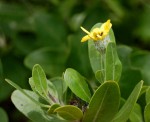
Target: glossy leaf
pixel 124 112
pixel 69 112
pixel 40 80
pixel 104 103
pixel 113 64
pixel 77 84
pixel 147 113
pixel 29 108
pixel 4 117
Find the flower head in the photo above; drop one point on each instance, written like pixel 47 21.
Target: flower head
pixel 97 34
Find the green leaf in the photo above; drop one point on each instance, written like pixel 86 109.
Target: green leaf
pixel 143 90
pixel 95 57
pixel 60 86
pixel 129 72
pixel 124 112
pixel 69 112
pixel 99 76
pixel 52 60
pixel 113 64
pixel 4 117
pixel 50 29
pixel 147 113
pixel 25 94
pixel 32 84
pixel 136 114
pixel 141 60
pixel 52 108
pixel 104 103
pixel 40 80
pixel 52 92
pixel 148 96
pixel 29 108
pixel 77 84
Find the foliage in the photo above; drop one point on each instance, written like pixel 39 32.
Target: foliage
pixel 47 33
pixel 80 101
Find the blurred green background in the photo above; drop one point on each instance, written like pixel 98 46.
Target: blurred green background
pixel 48 32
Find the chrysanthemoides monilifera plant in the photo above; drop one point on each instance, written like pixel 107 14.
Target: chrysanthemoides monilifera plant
pixel 71 98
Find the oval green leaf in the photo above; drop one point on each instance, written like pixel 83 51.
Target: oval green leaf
pixel 77 84
pixel 29 108
pixel 52 108
pixel 104 104
pixel 52 60
pixel 124 112
pixel 40 80
pixel 112 63
pixel 69 112
pixel 60 85
pixel 99 76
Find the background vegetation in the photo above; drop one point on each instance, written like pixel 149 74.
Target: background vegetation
pixel 48 32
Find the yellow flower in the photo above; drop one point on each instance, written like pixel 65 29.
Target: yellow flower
pixel 97 34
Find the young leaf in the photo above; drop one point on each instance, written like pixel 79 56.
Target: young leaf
pixel 147 113
pixel 32 85
pixel 60 85
pixel 40 80
pixel 112 63
pixel 69 112
pixel 52 108
pixel 31 109
pixel 124 112
pixel 104 103
pixel 99 76
pixel 77 84
pixel 52 93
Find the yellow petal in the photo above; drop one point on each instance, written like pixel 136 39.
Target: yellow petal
pixel 106 26
pixel 87 32
pixel 85 38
